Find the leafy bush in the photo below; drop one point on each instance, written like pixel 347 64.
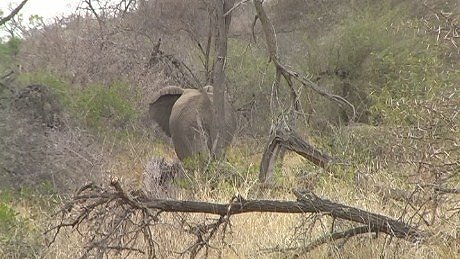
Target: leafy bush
pixel 8 50
pixel 348 46
pixel 60 87
pixel 99 106
pixel 103 107
pixel 250 77
pixel 404 77
pixel 361 35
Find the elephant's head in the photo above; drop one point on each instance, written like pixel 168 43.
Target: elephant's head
pixel 186 116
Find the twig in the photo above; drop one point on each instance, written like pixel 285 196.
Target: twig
pixel 235 6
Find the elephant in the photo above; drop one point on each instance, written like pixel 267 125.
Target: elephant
pixel 186 116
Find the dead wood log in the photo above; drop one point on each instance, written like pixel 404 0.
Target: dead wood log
pixel 304 204
pixel 287 139
pixel 94 199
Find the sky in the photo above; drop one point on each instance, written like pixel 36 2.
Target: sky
pixel 45 8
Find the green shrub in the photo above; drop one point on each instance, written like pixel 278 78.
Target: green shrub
pixel 18 238
pixel 8 50
pixel 338 58
pixel 250 76
pixel 104 107
pixel 361 35
pixel 58 85
pixel 348 46
pixel 8 63
pixel 402 78
pixel 389 63
pixel 100 107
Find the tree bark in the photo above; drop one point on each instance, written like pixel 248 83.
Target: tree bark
pixel 306 203
pixel 223 24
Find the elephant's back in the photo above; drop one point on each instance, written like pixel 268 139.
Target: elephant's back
pixel 190 122
pixel 192 102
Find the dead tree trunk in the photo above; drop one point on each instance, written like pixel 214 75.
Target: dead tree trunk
pixel 289 140
pixel 275 148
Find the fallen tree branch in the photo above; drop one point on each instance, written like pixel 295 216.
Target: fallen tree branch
pixel 336 236
pixel 323 240
pixel 447 190
pixel 106 208
pixel 281 140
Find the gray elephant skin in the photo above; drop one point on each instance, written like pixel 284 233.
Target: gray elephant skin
pixel 186 116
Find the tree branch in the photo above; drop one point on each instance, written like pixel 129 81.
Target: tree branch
pixel 235 6
pixel 13 13
pixel 94 202
pixel 284 70
pixel 325 239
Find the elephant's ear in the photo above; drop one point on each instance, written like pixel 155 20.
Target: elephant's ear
pixel 161 106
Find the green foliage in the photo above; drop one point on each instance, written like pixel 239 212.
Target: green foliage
pixel 361 35
pixel 8 52
pixel 9 49
pixel 350 44
pixel 340 58
pixel 18 238
pixel 103 107
pixel 390 64
pixel 402 78
pixel 100 107
pixel 251 78
pixel 60 87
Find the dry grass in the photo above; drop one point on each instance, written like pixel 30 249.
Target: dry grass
pixel 260 235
